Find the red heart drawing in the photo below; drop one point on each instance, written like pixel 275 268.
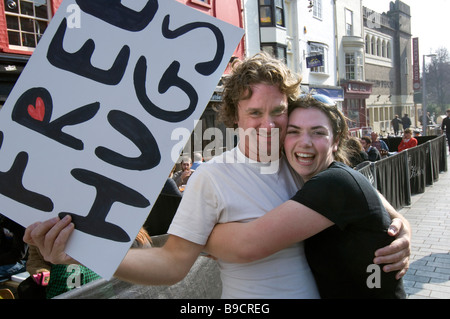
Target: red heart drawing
pixel 37 112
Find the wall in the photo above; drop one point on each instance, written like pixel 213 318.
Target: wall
pixel 229 11
pixel 392 89
pixel 251 18
pixel 356 40
pixel 317 30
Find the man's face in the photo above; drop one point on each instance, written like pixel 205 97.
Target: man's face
pixel 364 144
pixel 262 122
pixel 185 166
pixel 374 136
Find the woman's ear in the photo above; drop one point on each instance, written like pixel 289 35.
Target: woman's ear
pixel 335 145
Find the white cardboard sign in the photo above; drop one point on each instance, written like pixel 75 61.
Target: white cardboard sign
pixel 87 128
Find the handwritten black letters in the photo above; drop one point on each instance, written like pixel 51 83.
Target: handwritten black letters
pixel 35 110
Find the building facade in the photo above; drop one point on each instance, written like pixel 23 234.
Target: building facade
pixel 358 57
pixel 388 65
pixel 22 24
pixel 300 32
pixel 202 140
pixel 351 69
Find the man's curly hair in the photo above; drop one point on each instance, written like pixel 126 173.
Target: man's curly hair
pixel 261 68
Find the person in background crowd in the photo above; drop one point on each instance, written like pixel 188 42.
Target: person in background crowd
pixel 356 153
pixel 446 128
pixel 417 133
pixel 55 279
pixel 380 145
pixel 13 251
pixel 372 152
pixel 170 186
pixel 63 278
pixel 198 160
pixel 395 123
pixel 406 121
pixel 407 141
pixel 182 176
pixel 429 121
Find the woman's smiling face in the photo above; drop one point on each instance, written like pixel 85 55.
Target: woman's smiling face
pixel 309 142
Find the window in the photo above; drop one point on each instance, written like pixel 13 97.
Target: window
pixel 350 66
pixel 26 22
pixel 319 49
pixel 354 66
pixel 203 3
pixel 275 50
pixel 317 9
pixel 372 46
pixel 388 50
pixel 378 46
pixel 406 66
pixel 348 22
pixel 271 13
pixel 279 12
pixel 367 44
pixel 353 107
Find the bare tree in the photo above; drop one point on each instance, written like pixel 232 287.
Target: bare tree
pixel 438 81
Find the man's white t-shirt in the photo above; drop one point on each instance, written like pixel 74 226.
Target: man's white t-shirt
pixel 232 188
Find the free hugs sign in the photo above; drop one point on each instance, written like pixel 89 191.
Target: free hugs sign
pixel 86 130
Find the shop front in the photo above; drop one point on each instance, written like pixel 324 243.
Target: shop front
pixel 354 106
pixel 11 66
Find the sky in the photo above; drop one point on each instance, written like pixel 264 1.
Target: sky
pixel 429 21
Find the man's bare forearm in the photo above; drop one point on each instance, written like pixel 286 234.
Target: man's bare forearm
pixel 159 266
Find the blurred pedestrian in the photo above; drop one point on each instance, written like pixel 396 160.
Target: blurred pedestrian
pixel 395 123
pixel 406 121
pixel 446 127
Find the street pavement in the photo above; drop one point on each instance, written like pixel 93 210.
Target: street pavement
pixel 429 215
